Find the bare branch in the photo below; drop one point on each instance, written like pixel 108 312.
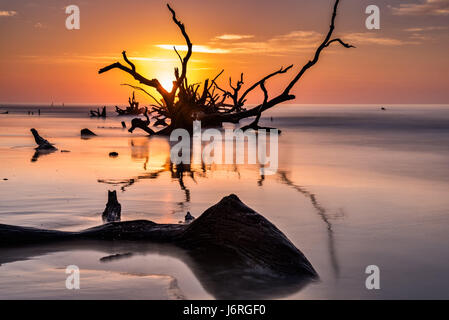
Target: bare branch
pixel 346 45
pixel 185 60
pixel 255 124
pixel 143 90
pixel 218 75
pixel 323 45
pixel 265 92
pixel 133 67
pixel 151 83
pixel 225 92
pixel 177 53
pixel 255 85
pixel 146 116
pixel 215 107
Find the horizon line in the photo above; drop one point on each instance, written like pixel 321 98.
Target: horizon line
pixel 80 104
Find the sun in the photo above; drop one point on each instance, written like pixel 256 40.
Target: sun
pixel 166 80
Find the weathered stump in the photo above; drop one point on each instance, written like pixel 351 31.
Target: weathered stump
pixel 42 144
pixel 113 209
pixel 87 133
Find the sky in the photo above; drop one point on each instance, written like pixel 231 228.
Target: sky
pixel 404 62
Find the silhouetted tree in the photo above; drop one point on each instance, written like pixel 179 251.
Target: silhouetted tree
pixel 212 104
pixel 133 108
pixel 97 113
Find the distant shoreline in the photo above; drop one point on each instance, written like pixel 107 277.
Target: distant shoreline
pixel 87 105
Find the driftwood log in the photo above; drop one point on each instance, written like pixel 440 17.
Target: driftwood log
pixel 142 124
pixel 43 146
pixel 234 251
pixel 86 133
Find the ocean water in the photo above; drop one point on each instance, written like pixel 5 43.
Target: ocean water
pixel 356 186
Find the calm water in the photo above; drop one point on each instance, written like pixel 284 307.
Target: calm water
pixel 356 186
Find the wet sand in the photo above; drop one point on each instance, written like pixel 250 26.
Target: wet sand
pixel 356 186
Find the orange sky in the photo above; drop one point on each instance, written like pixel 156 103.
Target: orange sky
pixel 403 62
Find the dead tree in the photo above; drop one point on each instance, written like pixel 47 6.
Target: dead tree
pixel 97 113
pixel 211 103
pixel 133 108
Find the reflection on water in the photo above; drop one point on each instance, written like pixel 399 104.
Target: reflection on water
pixel 140 152
pixel 221 274
pixel 385 173
pixel 40 153
pixel 322 214
pixel 143 274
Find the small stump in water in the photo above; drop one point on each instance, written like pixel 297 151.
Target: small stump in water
pixel 113 209
pixel 188 218
pixel 87 133
pixel 41 142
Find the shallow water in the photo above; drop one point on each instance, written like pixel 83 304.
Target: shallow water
pixel 356 186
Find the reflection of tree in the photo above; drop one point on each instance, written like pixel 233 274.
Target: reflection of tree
pixel 322 214
pixel 125 183
pixel 261 178
pixel 139 151
pixel 177 172
pixel 39 153
pixel 179 175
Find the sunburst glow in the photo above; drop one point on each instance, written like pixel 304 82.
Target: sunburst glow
pixel 166 80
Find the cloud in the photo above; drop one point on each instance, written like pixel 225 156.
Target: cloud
pixel 427 7
pixel 293 41
pixel 234 36
pixel 203 68
pixel 423 29
pixel 298 35
pixel 195 48
pixel 287 42
pixel 422 34
pixel 419 37
pixel 98 59
pixel 39 25
pixel 283 44
pixel 372 38
pixel 144 59
pixel 7 13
